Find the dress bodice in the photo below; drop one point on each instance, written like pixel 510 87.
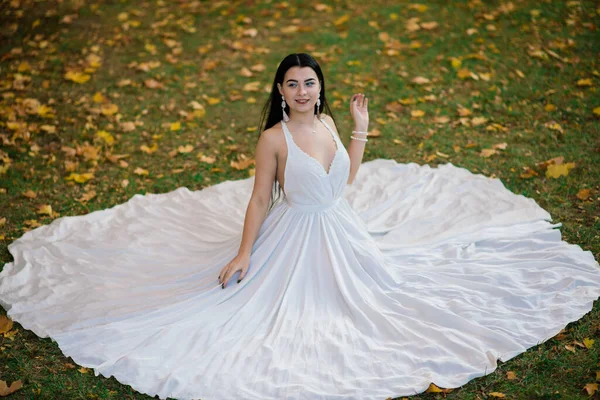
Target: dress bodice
pixel 308 186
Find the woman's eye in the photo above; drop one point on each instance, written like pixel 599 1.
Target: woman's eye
pixel 293 84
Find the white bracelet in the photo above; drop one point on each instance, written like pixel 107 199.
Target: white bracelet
pixel 364 132
pixel 357 138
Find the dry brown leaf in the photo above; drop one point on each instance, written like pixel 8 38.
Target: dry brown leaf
pixel 464 112
pixel 153 84
pixel 556 161
pixel 429 25
pixel 591 388
pixel 570 348
pixel 87 196
pixel 5 390
pixel 242 164
pixel 419 80
pixel 29 194
pixel 584 194
pixel 140 171
pixel 487 152
pixel 528 173
pixel 188 148
pixel 510 375
pixel 475 121
pixel 6 324
pixel 127 126
pixel 208 160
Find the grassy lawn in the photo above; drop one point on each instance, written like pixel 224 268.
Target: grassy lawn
pixel 102 100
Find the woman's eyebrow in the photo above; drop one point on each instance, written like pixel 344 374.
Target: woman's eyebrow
pixel 309 79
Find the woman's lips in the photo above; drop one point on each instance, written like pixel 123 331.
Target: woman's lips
pixel 302 102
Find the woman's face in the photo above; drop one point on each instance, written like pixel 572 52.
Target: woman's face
pixel 298 84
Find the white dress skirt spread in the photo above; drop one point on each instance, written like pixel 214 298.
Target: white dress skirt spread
pixel 410 275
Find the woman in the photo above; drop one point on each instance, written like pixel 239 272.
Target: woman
pixel 303 87
pixel 353 283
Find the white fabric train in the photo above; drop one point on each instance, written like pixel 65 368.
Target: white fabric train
pixel 408 276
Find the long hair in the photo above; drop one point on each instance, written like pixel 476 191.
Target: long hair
pixel 273 110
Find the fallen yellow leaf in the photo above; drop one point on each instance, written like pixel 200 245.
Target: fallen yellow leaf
pixel 584 82
pixel 555 171
pixel 589 343
pixel 45 209
pixel 175 126
pixel 554 126
pixel 341 20
pixel 48 128
pixel 107 137
pixel 80 178
pixel 149 150
pixel 77 77
pixel 109 109
pixel 497 394
pixel 464 73
pixel 99 98
pixel 433 389
pixel 417 113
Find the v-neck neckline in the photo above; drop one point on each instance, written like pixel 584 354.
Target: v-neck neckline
pixel 337 147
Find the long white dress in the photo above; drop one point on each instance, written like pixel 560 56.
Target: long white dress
pixel 408 276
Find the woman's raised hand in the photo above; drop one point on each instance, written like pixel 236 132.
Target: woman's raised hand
pixel 239 263
pixel 359 111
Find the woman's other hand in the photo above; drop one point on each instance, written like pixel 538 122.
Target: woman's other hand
pixel 239 263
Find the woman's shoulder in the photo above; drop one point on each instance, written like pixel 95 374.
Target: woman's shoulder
pixel 273 136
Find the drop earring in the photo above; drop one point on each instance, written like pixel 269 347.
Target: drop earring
pixel 318 105
pixel 285 116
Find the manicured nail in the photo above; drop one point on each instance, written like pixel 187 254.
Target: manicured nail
pixel 239 280
pixel 223 285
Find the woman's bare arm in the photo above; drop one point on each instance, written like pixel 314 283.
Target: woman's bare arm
pixel 264 176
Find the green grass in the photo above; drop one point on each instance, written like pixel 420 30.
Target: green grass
pixel 569 29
